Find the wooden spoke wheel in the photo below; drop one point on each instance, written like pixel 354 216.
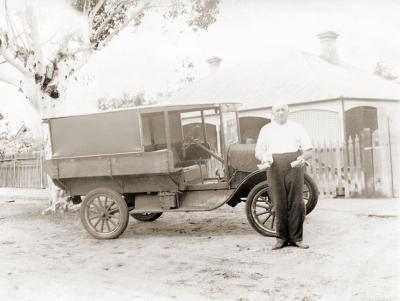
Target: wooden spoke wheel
pixel 310 193
pixel 147 216
pixel 260 212
pixel 104 213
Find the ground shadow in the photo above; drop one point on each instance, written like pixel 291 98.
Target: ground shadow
pixel 190 226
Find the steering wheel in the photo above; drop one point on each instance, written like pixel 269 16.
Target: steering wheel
pixel 197 142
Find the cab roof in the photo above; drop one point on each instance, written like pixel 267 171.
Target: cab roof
pixel 160 108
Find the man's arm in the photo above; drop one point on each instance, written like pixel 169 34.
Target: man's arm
pixel 262 152
pixel 261 147
pixel 307 154
pixel 306 145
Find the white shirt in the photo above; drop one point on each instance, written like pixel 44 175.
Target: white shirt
pixel 277 138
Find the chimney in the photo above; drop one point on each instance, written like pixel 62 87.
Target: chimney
pixel 214 63
pixel 327 41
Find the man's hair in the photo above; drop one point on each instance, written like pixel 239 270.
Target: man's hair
pixel 278 105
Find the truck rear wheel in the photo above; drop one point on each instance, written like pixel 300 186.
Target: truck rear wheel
pixel 104 213
pixel 146 217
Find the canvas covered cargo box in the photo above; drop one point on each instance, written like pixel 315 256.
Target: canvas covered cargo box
pixel 124 142
pixel 103 144
pixel 96 134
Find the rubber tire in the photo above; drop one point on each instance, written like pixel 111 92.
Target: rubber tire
pixel 312 202
pixel 146 217
pixel 122 207
pixel 249 216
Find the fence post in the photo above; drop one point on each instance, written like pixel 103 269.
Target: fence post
pixel 368 161
pixel 382 163
pixel 328 167
pixel 333 171
pixel 352 180
pixel 339 164
pixel 314 163
pixel 379 162
pixel 14 171
pixel 324 173
pixel 345 162
pixel 41 169
pixel 360 179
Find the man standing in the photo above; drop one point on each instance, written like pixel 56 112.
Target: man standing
pixel 279 144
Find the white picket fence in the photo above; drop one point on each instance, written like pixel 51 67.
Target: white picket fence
pixel 360 167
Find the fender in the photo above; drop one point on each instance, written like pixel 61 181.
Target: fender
pixel 245 186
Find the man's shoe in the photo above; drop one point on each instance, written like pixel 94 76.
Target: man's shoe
pixel 280 243
pixel 300 244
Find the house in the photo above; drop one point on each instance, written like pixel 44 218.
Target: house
pixel 333 100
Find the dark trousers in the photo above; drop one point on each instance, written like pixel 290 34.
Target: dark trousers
pixel 286 192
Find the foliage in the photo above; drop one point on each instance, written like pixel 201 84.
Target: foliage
pixel 187 67
pixel 44 74
pixel 384 70
pixel 21 142
pixel 204 13
pixel 126 101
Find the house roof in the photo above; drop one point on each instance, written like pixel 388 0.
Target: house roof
pixel 292 79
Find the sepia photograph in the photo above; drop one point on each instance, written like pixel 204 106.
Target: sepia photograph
pixel 199 150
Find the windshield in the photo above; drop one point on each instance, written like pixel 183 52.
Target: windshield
pixel 203 129
pixel 230 125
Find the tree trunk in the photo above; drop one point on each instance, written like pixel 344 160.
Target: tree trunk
pixel 47 107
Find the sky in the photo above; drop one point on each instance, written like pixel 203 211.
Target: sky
pixel 251 31
pixel 148 59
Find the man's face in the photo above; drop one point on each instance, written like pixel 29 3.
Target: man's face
pixel 280 113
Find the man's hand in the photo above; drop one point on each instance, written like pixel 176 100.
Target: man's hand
pixel 264 164
pixel 266 161
pixel 301 161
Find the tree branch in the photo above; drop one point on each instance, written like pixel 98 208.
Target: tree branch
pixel 78 50
pixel 11 27
pixel 94 11
pixel 96 8
pixel 86 7
pixel 11 59
pixel 116 10
pixel 37 48
pixel 81 61
pixel 137 15
pixel 6 78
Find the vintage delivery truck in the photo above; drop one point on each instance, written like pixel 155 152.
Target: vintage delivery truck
pixel 144 161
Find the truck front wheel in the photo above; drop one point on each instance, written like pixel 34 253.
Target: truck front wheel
pixel 260 212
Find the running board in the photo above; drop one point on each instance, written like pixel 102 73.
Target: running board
pixel 207 186
pixel 188 201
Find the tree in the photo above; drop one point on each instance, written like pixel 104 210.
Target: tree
pixel 16 143
pixel 44 72
pixel 125 101
pixel 386 71
pixel 41 69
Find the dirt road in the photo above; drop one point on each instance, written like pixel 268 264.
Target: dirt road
pixel 354 255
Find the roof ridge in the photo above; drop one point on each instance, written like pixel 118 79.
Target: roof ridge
pixel 314 73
